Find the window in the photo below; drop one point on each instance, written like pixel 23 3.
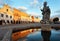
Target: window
pixel 2 15
pixel 11 21
pixel 7 21
pixel 7 10
pixel 6 15
pixel 10 16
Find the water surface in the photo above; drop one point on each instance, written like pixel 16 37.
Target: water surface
pixel 36 36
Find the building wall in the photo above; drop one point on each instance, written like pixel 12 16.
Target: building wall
pixel 6 10
pixel 19 15
pixel 34 19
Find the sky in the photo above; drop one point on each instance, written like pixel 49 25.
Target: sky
pixel 32 7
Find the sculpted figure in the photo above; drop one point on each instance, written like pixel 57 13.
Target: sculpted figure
pixel 45 12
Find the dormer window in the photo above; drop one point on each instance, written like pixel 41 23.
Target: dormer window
pixel 7 10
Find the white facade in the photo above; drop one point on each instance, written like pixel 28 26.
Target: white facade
pixel 27 19
pixel 36 20
pixel 6 17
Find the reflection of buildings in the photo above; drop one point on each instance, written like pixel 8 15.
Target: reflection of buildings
pixel 22 34
pixel 15 15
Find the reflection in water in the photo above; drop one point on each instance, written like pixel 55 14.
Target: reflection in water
pixel 52 35
pixel 46 35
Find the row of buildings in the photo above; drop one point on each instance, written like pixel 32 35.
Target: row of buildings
pixel 10 15
pixel 13 15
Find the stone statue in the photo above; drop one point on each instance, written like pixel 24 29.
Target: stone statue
pixel 46 29
pixel 45 13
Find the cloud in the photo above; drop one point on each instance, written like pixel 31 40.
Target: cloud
pixel 22 8
pixel 34 14
pixel 1 2
pixel 35 3
pixel 57 15
pixel 58 11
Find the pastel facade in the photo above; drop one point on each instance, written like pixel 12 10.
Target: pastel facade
pixel 13 15
pixel 21 16
pixel 6 14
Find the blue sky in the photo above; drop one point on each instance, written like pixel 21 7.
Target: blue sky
pixel 33 6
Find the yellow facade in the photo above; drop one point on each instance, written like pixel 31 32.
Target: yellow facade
pixel 6 10
pixel 18 14
pixel 36 20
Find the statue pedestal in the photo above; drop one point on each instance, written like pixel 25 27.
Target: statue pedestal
pixel 46 27
pixel 46 32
